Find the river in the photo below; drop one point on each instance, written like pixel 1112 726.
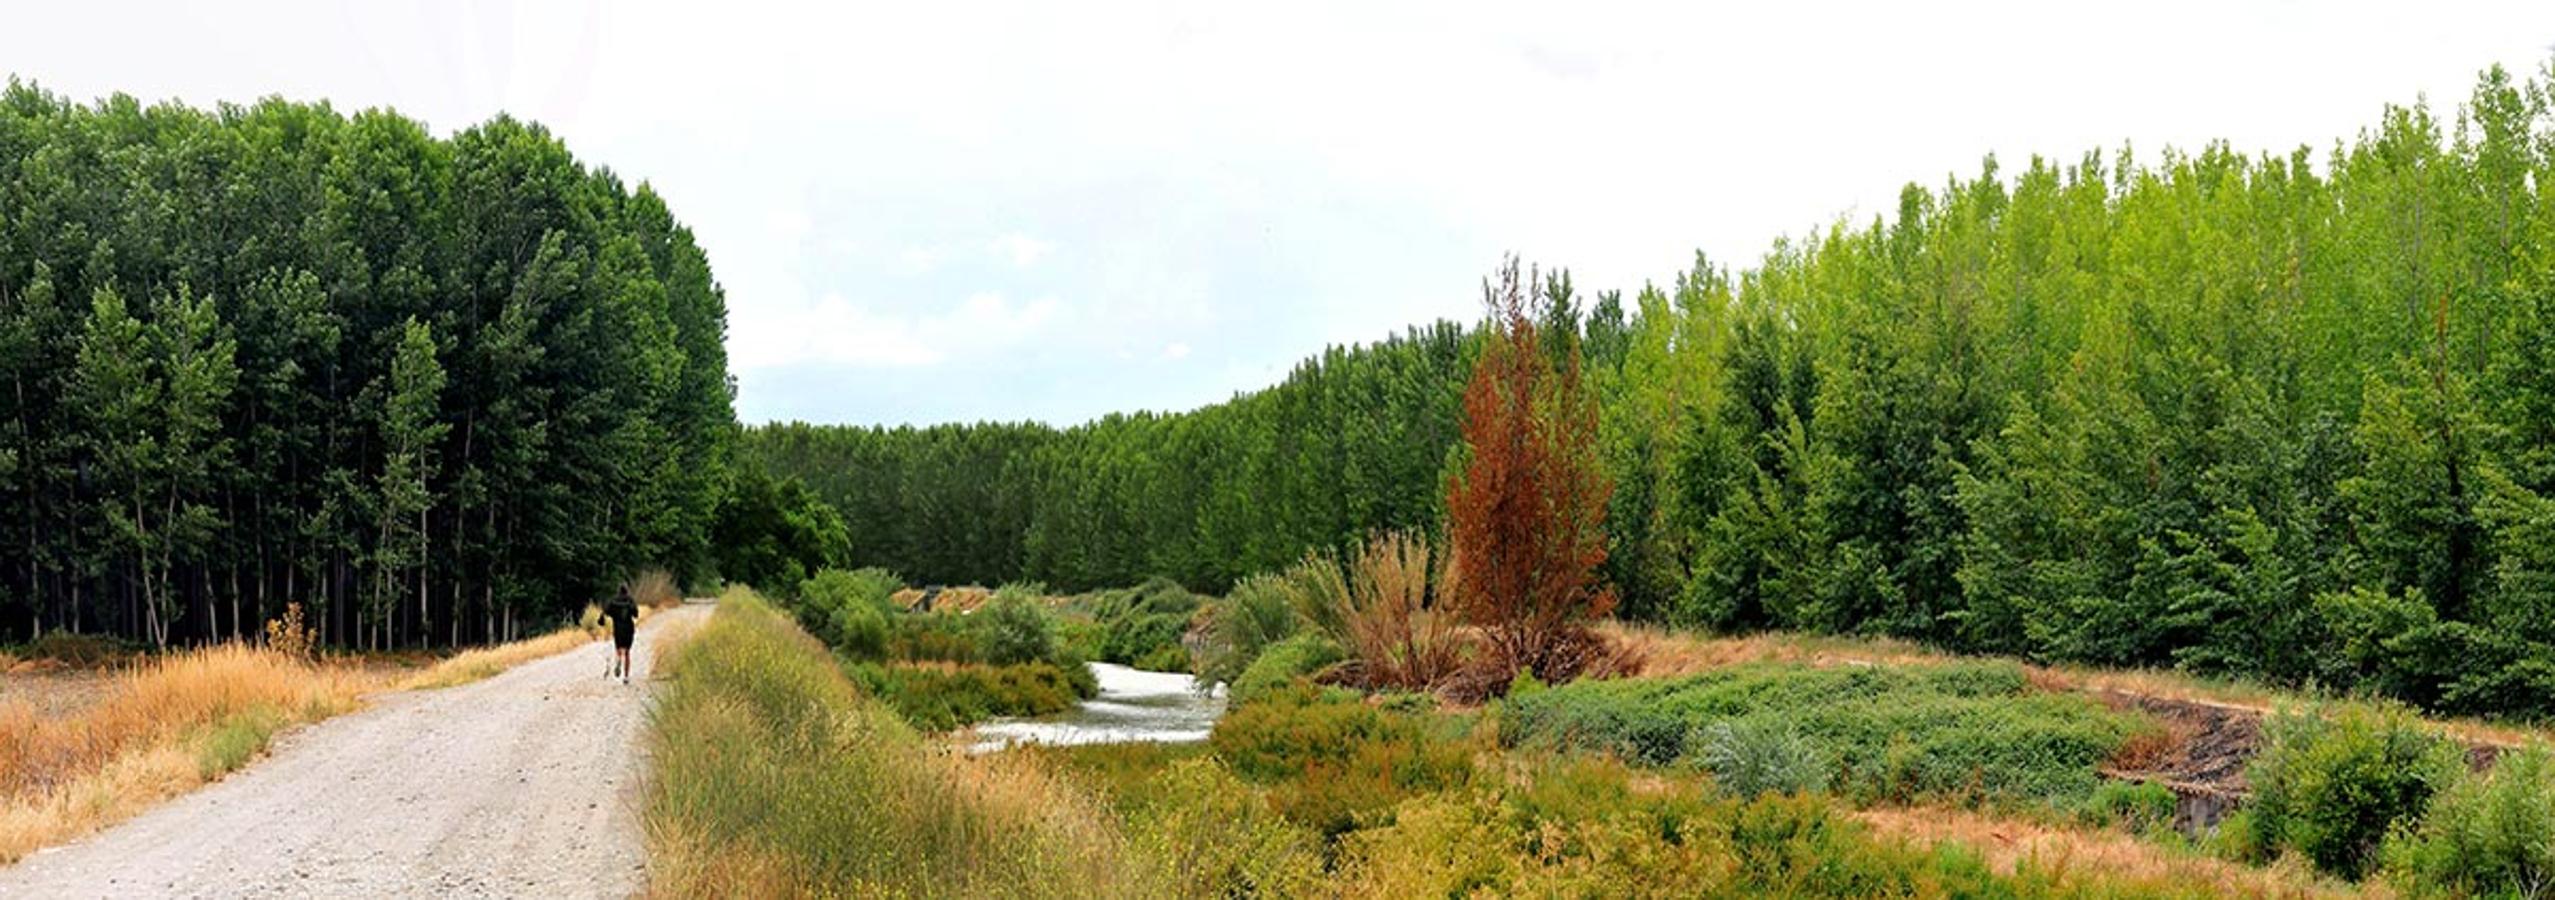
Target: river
pixel 1134 706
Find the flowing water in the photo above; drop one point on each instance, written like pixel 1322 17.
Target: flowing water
pixel 1134 705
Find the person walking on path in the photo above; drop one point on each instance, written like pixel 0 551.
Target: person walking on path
pixel 623 615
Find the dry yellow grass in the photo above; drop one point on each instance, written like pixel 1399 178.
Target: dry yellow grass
pixel 2058 851
pixel 474 665
pixel 65 776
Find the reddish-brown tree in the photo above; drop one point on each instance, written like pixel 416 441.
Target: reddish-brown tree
pixel 1526 512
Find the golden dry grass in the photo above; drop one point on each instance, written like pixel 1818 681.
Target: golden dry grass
pixel 63 776
pixel 2061 851
pixel 474 665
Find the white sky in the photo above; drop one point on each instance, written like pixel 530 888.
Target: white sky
pixel 929 212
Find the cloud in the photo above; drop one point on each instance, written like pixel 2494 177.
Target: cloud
pixel 1022 250
pixel 1176 351
pixel 838 331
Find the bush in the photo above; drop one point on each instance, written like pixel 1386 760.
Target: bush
pixel 849 610
pixel 935 637
pixel 1017 629
pixel 1285 661
pixel 1138 638
pixel 1333 762
pixel 2331 785
pixel 1961 731
pixel 942 697
pixel 2489 835
pixel 1385 607
pixel 1747 759
pixel 2140 807
pixel 1216 837
pixel 1248 621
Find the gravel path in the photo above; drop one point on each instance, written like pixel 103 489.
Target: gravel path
pixel 525 784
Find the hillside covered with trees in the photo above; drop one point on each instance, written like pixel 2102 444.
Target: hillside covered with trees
pixel 431 388
pixel 2287 416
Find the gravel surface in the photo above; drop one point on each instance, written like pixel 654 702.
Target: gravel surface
pixel 525 784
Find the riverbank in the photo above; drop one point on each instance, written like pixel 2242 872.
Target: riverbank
pixel 778 777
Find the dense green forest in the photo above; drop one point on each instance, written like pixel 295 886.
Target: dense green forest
pixel 1354 439
pixel 256 355
pixel 2288 416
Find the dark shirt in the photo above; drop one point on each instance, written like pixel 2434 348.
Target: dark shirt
pixel 624 616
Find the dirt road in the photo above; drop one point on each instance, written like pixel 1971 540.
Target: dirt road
pixel 525 784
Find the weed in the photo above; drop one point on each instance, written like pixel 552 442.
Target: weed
pixel 2330 784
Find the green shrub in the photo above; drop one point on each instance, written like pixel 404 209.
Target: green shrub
pixel 1250 619
pixel 849 610
pixel 2141 807
pixel 1332 761
pixel 1901 733
pixel 1216 837
pixel 942 697
pixel 935 637
pixel 1296 657
pixel 1748 758
pixel 2330 784
pixel 1017 629
pixel 1164 659
pixel 2488 835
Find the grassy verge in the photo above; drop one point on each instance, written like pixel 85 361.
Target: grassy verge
pixel 779 776
pixel 164 727
pixel 776 776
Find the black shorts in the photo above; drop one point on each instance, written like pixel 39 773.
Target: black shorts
pixel 621 639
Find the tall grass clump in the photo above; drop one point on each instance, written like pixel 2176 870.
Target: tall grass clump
pixel 776 777
pixel 2331 784
pixel 1752 758
pixel 1251 618
pixel 164 726
pixel 1385 605
pixel 2492 834
pixel 654 589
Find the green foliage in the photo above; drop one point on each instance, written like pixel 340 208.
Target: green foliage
pixel 1748 759
pixel 942 697
pixel 2140 807
pixel 2331 784
pixel 849 611
pixel 1018 628
pixel 1249 620
pixel 1284 663
pixel 433 388
pixel 1333 762
pixel 773 533
pixel 2488 835
pixel 1143 626
pixel 1899 733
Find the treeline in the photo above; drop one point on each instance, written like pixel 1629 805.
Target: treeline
pixel 255 355
pixel 2289 417
pixel 1355 439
